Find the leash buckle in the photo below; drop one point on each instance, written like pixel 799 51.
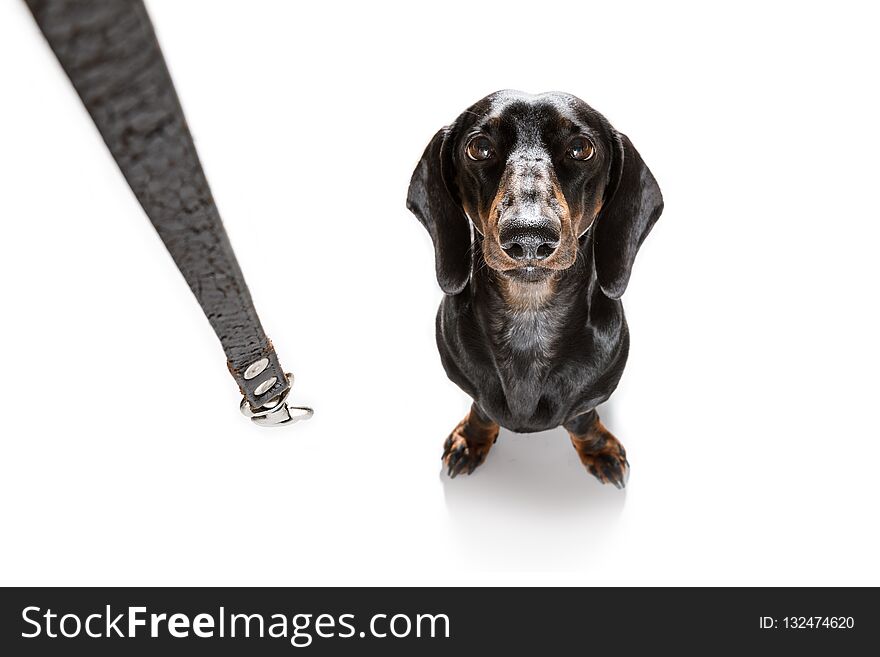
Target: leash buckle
pixel 277 412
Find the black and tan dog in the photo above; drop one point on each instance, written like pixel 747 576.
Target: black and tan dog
pixel 536 207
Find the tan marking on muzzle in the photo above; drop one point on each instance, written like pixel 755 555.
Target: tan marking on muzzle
pixel 492 251
pixel 565 255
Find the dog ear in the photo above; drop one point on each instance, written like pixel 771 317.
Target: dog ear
pixel 432 200
pixel 632 205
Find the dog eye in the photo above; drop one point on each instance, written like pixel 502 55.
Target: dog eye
pixel 580 148
pixel 480 148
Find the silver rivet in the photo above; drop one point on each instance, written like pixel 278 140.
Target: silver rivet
pixel 255 369
pixel 265 386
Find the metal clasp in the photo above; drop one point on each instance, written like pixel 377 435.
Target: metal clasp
pixel 276 412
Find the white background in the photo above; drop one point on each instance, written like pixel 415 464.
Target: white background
pixel 748 408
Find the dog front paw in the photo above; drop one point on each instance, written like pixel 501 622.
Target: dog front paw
pixel 459 458
pixel 609 467
pixel 468 445
pixel 599 451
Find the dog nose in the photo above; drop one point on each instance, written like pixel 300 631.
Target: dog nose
pixel 531 244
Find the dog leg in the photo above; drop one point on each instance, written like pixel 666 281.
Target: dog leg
pixel 598 449
pixel 469 443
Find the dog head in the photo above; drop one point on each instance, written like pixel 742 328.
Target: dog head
pixel 533 174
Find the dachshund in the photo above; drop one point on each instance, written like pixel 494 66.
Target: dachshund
pixel 536 207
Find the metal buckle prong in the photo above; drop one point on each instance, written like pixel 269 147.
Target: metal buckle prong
pixel 276 412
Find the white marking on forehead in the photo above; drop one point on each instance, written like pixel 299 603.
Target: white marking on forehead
pixel 505 97
pixel 557 99
pixel 533 149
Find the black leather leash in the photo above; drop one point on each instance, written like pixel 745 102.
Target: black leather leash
pixel 110 53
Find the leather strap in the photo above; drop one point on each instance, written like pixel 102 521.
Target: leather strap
pixel 110 53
